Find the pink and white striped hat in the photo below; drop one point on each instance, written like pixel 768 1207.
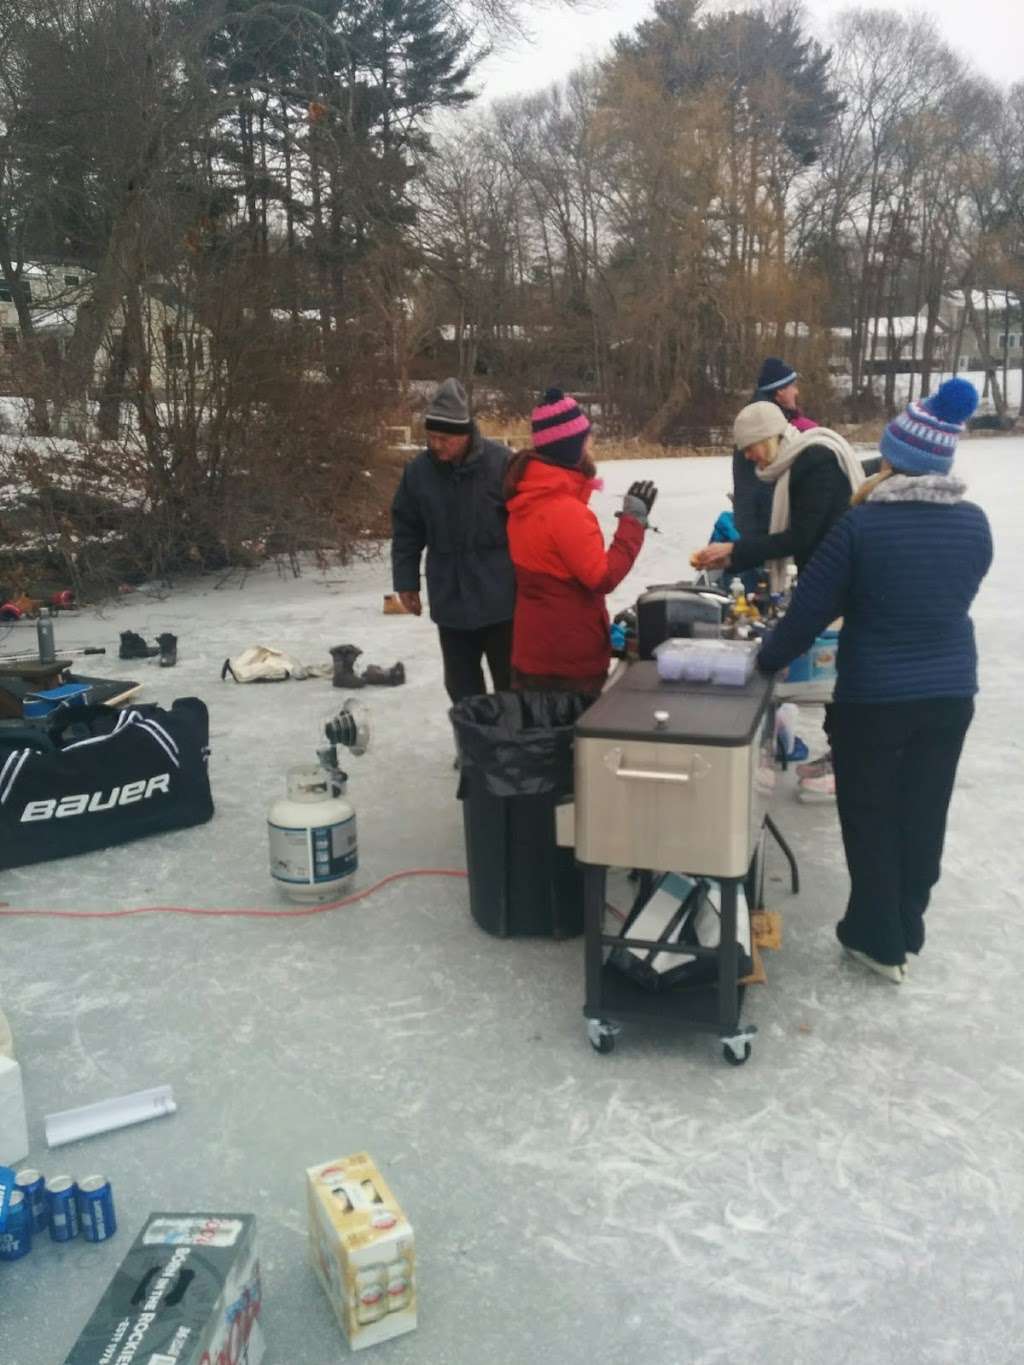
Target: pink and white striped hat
pixel 560 428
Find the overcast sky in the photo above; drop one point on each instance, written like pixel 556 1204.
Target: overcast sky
pixel 989 33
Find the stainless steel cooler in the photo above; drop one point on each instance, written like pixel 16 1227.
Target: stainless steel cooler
pixel 670 777
pixel 673 776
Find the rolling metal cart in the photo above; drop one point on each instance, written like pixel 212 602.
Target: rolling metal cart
pixel 671 777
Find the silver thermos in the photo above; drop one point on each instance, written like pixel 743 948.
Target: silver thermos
pixel 44 633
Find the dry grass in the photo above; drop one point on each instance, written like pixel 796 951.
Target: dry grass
pixel 517 436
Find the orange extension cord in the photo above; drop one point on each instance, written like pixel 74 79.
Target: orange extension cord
pixel 233 914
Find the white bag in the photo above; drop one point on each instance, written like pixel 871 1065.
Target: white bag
pixel 260 663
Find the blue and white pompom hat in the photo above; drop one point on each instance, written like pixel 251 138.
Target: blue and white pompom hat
pixel 922 439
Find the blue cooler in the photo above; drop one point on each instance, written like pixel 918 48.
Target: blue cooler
pixel 38 704
pixel 817 664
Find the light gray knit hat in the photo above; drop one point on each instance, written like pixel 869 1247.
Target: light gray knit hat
pixel 449 410
pixel 757 422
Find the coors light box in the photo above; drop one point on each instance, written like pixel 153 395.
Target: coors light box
pixel 187 1293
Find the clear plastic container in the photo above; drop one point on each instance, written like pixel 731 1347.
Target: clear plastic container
pixel 728 663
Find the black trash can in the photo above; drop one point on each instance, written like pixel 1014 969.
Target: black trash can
pixel 517 766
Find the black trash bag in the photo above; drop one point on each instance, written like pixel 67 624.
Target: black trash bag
pixel 520 742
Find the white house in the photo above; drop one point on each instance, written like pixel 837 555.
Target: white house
pixel 175 340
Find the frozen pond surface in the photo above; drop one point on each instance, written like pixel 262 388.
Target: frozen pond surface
pixel 854 1195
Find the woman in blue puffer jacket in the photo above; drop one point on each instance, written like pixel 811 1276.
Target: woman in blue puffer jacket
pixel 902 569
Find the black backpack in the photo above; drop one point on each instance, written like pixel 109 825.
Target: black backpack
pixel 90 777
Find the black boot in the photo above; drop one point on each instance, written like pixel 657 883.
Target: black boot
pixel 374 676
pixel 345 674
pixel 134 647
pixel 168 649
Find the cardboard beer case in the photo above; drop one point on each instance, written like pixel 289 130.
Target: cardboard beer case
pixel 187 1293
pixel 361 1248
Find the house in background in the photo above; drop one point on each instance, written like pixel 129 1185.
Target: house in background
pixel 897 345
pixel 46 287
pixel 176 343
pixel 53 293
pixel 179 346
pixel 987 324
pixel 971 334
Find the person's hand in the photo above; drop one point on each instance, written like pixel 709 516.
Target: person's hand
pixel 639 499
pixel 411 602
pixel 715 556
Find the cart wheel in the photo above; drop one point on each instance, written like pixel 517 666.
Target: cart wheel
pixel 602 1035
pixel 734 1058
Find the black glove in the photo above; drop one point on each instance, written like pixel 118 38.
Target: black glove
pixel 639 500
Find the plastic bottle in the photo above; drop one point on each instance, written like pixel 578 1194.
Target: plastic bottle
pixel 13 1119
pixel 44 636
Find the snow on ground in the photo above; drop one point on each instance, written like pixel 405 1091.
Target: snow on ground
pixel 854 1194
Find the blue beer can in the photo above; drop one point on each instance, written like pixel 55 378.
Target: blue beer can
pixel 16 1238
pixel 96 1208
pixel 63 1208
pixel 33 1187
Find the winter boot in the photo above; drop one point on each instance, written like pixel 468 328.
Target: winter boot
pixel 134 647
pixel 345 674
pixel 168 649
pixel 374 676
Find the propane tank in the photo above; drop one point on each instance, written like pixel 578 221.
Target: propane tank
pixel 314 853
pixel 313 849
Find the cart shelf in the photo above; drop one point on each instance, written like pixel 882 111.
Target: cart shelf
pixel 692 1006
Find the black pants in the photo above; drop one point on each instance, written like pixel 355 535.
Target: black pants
pixel 895 765
pixel 463 652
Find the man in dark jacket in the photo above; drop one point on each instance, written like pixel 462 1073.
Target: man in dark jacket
pixel 451 503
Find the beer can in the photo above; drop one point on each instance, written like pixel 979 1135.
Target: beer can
pixel 16 1238
pixel 96 1208
pixel 399 1289
pixel 33 1187
pixel 63 1208
pixel 371 1297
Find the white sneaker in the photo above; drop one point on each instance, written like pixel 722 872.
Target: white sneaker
pixel 897 975
pixel 821 788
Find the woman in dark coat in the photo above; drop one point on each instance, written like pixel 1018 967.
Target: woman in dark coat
pixel 902 569
pixel 752 501
pixel 813 475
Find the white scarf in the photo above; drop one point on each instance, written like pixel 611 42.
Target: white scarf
pixel 794 444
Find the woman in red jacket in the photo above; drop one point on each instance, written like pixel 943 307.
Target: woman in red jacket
pixel 560 630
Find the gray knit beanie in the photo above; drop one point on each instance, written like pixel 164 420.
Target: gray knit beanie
pixel 449 410
pixel 758 422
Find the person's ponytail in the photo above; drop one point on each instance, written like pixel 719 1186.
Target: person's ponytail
pixel 869 485
pixel 514 472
